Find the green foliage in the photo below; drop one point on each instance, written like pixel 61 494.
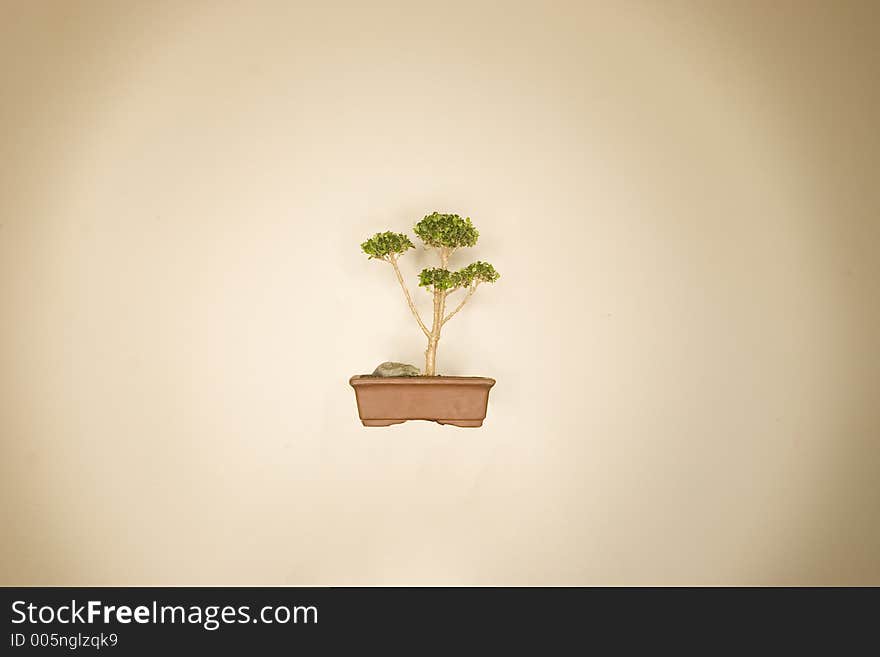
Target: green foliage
pixel 439 279
pixel 381 245
pixel 481 272
pixel 443 279
pixel 447 230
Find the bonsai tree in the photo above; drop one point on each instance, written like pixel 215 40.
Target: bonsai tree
pixel 446 233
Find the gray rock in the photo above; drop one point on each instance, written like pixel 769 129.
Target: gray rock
pixel 396 369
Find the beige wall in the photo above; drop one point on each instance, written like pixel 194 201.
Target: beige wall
pixel 682 199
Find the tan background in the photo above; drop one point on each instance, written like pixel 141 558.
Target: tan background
pixel 682 199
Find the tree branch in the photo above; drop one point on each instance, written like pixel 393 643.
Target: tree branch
pixel 445 252
pixel 393 260
pixel 467 296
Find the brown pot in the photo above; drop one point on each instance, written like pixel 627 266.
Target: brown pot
pixel 458 400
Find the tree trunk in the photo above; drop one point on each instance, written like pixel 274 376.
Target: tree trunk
pixel 431 358
pixel 434 338
pixel 439 309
